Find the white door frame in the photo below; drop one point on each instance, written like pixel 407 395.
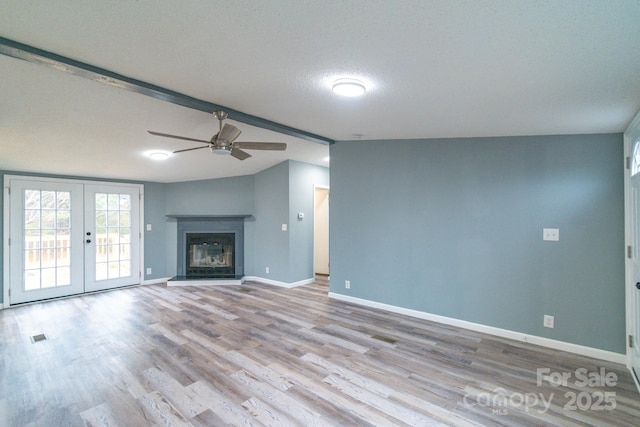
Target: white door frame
pixel 631 135
pixel 6 222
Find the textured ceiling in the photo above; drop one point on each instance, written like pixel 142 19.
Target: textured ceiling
pixel 432 68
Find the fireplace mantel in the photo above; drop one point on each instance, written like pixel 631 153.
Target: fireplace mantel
pixel 198 217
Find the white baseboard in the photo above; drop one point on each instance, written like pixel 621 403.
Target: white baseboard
pixel 503 333
pixel 155 281
pixel 635 378
pixel 277 283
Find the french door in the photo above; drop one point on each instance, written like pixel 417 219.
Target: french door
pixel 633 224
pixel 68 237
pixel 112 236
pixel 635 271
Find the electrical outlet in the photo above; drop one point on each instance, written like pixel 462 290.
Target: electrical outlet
pixel 266 270
pixel 548 321
pixel 148 270
pixel 347 284
pixel 551 234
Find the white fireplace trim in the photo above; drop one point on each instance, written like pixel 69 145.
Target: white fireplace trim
pixel 277 283
pixel 205 282
pixel 236 282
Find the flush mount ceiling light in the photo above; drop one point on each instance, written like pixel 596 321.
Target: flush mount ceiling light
pixel 348 87
pixel 158 155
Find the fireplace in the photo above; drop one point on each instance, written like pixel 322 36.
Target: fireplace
pixel 210 254
pixel 210 247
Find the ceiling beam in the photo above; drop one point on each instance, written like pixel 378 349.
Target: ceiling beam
pixel 61 63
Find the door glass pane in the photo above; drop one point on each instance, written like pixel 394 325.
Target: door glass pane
pixel 64 275
pixel 635 159
pixel 113 235
pixel 101 271
pixel 47 261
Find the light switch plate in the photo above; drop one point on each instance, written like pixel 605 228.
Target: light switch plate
pixel 551 234
pixel 148 227
pixel 284 227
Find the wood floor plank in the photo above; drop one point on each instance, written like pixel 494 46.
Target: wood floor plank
pixel 225 408
pixel 158 409
pixel 174 392
pixel 330 339
pixel 381 403
pixel 259 371
pixel 387 391
pixel 99 416
pixel 334 405
pixel 278 400
pixel 266 414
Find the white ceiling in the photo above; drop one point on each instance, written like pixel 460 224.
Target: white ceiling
pixel 439 68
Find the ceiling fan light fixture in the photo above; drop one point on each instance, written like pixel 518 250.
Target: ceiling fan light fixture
pixel 158 155
pixel 223 150
pixel 348 87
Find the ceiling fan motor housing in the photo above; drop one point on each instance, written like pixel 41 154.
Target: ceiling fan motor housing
pixel 220 149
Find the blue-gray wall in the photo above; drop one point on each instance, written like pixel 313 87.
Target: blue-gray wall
pixel 281 192
pixel 154 241
pixel 302 181
pixel 271 244
pixel 454 228
pixel 225 196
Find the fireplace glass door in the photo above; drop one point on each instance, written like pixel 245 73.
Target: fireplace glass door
pixel 210 254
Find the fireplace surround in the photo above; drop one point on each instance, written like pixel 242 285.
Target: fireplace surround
pixel 210 247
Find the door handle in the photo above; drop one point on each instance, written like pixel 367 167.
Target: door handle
pixel 637 285
pixel 89 241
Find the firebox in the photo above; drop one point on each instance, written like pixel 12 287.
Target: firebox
pixel 210 254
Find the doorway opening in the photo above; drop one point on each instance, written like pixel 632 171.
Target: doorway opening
pixel 321 231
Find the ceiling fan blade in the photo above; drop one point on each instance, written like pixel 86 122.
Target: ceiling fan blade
pixel 239 154
pixel 277 146
pixel 229 133
pixel 188 149
pixel 166 135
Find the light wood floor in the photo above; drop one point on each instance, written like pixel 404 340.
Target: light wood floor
pixel 261 355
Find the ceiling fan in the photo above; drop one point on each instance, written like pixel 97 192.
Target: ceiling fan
pixel 224 142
